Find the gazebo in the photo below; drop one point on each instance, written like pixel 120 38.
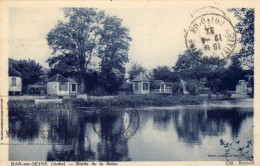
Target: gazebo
pixel 141 84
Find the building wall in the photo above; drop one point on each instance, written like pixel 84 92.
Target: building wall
pixel 52 88
pixel 140 89
pixel 17 87
pixel 63 92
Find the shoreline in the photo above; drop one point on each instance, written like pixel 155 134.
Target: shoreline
pixel 139 102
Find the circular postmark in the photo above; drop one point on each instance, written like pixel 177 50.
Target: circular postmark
pixel 213 34
pixel 116 121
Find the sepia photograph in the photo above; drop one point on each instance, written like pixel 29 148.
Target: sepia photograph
pixel 137 84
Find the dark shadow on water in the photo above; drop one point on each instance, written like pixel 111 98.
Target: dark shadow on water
pixel 192 125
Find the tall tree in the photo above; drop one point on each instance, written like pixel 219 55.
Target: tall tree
pixel 76 40
pixel 233 74
pixel 83 36
pixel 114 46
pixel 245 27
pixel 208 70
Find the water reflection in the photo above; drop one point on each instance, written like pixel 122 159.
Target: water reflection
pixel 161 119
pixel 79 136
pixel 24 129
pixel 192 125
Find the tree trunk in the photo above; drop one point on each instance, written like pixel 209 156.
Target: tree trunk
pixel 82 73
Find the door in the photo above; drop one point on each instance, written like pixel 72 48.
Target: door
pixel 73 87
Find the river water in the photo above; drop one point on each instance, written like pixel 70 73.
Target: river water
pixel 185 133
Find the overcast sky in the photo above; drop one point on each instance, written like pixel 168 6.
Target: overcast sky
pixel 158 34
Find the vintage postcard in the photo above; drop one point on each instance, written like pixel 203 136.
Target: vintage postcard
pixel 129 83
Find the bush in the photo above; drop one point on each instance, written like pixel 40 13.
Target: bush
pixel 98 91
pixel 141 100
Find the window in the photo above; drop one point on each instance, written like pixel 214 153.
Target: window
pixel 145 86
pixel 136 86
pixel 13 81
pixel 63 86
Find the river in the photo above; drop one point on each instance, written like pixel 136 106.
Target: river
pixel 184 133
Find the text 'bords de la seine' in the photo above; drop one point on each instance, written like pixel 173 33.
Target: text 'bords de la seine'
pixel 62 163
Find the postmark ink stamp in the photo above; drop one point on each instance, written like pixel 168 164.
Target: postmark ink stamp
pixel 116 121
pixel 212 33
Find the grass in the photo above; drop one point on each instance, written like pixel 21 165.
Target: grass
pixel 156 100
pixel 141 100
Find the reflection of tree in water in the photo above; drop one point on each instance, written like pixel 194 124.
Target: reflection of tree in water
pixel 234 117
pixel 75 136
pixel 68 139
pixel 161 119
pixel 188 124
pixel 191 125
pixel 24 128
pixel 113 145
pixel 64 128
pixel 144 116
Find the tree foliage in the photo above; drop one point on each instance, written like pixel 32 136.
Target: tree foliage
pixel 207 70
pixel 164 73
pixel 218 75
pixel 86 35
pixel 113 53
pixel 135 70
pixel 245 27
pixel 30 70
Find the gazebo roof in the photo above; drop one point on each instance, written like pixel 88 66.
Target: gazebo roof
pixel 58 78
pixel 140 78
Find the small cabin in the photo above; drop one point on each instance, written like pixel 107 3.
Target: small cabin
pixel 241 87
pixel 141 84
pixel 58 85
pixel 73 86
pixel 15 82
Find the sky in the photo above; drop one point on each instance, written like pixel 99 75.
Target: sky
pixel 157 33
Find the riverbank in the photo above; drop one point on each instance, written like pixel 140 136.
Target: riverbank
pixel 151 100
pixel 242 105
pixel 141 101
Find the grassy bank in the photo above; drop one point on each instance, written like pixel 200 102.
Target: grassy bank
pixel 141 100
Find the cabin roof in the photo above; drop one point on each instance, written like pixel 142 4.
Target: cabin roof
pixel 58 78
pixel 140 78
pixel 71 80
pixel 13 72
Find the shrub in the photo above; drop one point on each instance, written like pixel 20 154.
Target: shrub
pixel 98 91
pixel 142 100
